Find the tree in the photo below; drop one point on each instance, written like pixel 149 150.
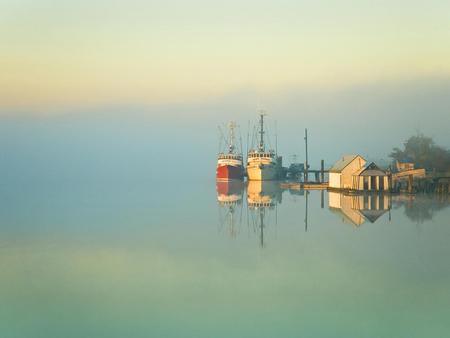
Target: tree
pixel 424 153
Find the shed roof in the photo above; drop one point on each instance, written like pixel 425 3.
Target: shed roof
pixel 370 170
pixel 343 162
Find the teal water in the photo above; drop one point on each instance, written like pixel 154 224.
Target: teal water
pixel 113 226
pixel 166 259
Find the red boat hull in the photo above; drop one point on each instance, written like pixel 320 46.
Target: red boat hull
pixel 229 172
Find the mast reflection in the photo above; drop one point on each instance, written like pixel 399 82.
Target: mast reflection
pixel 262 200
pixel 229 198
pixel 263 197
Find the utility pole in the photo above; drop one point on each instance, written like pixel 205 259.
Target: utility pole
pixel 306 152
pixel 322 168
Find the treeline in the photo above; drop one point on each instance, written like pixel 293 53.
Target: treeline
pixel 424 153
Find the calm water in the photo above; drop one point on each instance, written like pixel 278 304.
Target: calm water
pixel 192 259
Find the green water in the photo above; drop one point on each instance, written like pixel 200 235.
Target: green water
pixel 146 260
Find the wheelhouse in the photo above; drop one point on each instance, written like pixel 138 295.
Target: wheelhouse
pixel 229 157
pixel 261 154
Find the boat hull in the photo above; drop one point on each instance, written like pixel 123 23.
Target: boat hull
pixel 229 172
pixel 262 172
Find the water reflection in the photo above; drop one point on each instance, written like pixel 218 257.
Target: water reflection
pixel 422 207
pixel 229 197
pixel 357 209
pixel 262 200
pixel 263 194
pixel 258 210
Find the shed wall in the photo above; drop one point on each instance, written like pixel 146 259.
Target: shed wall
pixel 334 180
pixel 358 182
pixel 349 170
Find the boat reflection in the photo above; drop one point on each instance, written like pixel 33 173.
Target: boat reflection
pixel 357 209
pixel 229 198
pixel 262 200
pixel 263 193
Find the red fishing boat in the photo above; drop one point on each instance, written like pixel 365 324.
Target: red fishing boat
pixel 229 164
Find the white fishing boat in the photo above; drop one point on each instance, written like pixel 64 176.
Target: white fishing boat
pixel 263 164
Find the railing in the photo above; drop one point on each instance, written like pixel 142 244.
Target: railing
pixel 229 157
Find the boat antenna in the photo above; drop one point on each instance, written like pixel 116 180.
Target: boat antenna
pixel 240 139
pixel 276 139
pixel 248 136
pixel 231 126
pixel 261 130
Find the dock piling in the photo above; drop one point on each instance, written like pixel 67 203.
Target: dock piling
pixel 322 174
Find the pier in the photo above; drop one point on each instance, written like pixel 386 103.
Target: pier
pixel 318 183
pixel 418 180
pixel 304 185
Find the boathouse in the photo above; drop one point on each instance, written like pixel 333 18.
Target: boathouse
pixel 370 178
pixel 341 174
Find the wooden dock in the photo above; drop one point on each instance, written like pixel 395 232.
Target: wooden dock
pixel 419 180
pixel 304 185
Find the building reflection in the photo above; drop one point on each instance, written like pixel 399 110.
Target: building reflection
pixel 357 209
pixel 254 206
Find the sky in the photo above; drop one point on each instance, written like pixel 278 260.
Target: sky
pixel 60 54
pixel 112 86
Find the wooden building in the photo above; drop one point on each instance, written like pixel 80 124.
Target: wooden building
pixel 370 178
pixel 341 174
pixel 404 166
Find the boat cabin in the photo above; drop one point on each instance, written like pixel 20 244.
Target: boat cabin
pixel 230 157
pixel 259 154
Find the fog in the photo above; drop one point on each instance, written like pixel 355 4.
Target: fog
pixel 126 142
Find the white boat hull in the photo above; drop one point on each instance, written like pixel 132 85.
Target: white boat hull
pixel 262 172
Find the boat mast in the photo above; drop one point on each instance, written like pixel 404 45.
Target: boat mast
pixel 261 131
pixel 276 139
pixel 231 127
